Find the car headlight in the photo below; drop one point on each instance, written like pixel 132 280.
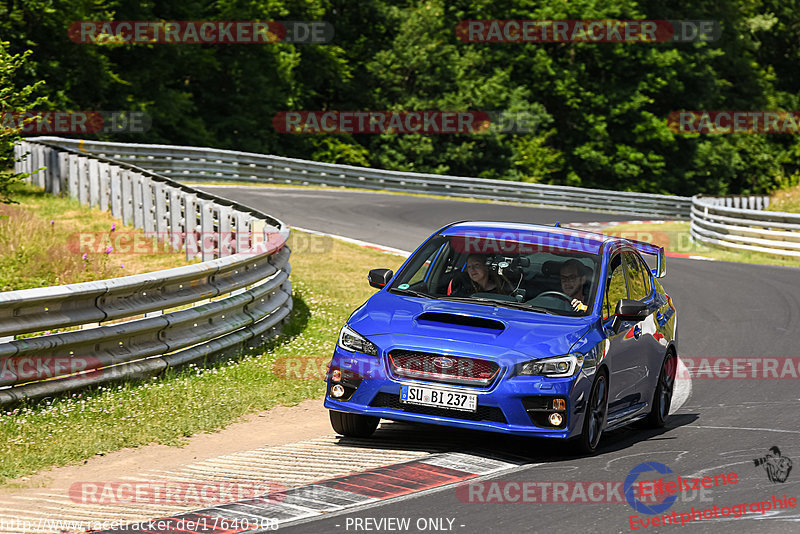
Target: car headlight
pixel 352 341
pixel 557 367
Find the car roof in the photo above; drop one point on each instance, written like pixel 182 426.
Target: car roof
pixel 552 236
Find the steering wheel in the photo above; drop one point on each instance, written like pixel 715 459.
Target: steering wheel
pixel 556 293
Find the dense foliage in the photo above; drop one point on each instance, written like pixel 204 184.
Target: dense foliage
pixel 599 109
pixel 14 97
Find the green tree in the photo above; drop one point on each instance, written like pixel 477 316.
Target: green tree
pixel 13 98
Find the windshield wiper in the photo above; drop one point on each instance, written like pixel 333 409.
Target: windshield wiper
pixel 501 303
pixel 411 292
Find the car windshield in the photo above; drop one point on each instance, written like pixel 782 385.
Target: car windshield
pixel 520 274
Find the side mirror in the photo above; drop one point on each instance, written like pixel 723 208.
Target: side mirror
pixel 628 310
pixel 379 277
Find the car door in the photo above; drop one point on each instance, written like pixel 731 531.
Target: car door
pixel 650 344
pixel 626 364
pixel 641 332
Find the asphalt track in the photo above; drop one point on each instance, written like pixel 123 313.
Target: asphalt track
pixel 725 310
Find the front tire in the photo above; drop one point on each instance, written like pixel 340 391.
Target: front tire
pixel 353 425
pixel 595 418
pixel 662 399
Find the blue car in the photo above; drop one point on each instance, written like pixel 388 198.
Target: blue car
pixel 514 328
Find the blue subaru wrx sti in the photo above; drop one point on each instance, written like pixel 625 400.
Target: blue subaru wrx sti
pixel 515 328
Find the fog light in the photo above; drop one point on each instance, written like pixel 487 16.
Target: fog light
pixel 337 391
pixel 336 375
pixel 555 419
pixel 559 404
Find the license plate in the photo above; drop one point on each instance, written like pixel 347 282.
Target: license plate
pixel 441 398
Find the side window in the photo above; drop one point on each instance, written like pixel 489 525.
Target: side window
pixel 615 286
pixel 636 284
pixel 422 272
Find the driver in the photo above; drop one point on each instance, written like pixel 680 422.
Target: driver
pixel 573 277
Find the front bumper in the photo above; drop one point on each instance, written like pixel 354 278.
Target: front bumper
pixel 505 406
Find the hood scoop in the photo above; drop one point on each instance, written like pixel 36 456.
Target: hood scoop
pixel 464 322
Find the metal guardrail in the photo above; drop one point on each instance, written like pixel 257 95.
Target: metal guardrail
pixel 207 164
pixel 746 202
pixel 247 278
pixel 728 227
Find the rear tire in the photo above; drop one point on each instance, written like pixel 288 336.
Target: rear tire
pixel 595 418
pixel 662 399
pixel 354 425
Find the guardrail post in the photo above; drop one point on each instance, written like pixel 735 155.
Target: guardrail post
pixel 148 206
pixel 138 207
pixel 48 169
pixel 94 182
pixel 115 187
pixel 32 163
pixel 162 222
pixel 207 239
pixel 72 169
pixel 83 180
pixel 190 226
pixel 39 161
pixel 224 236
pixel 63 173
pixel 105 185
pixel 126 196
pixel 175 218
pixel 24 159
pixel 242 239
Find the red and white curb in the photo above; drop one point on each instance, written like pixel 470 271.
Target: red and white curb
pixel 272 511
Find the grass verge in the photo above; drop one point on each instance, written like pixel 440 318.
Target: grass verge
pixel 43 240
pixel 329 282
pixel 785 200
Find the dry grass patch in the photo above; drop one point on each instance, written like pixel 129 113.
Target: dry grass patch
pixel 40 244
pixel 785 200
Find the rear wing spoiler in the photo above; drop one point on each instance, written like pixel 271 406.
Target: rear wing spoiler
pixel 661 259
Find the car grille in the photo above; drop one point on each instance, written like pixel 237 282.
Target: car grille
pixel 484 413
pixel 445 369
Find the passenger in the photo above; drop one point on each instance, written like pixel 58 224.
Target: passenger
pixel 479 279
pixel 483 280
pixel 573 278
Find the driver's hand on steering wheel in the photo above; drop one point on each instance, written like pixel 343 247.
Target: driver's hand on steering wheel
pixel 577 305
